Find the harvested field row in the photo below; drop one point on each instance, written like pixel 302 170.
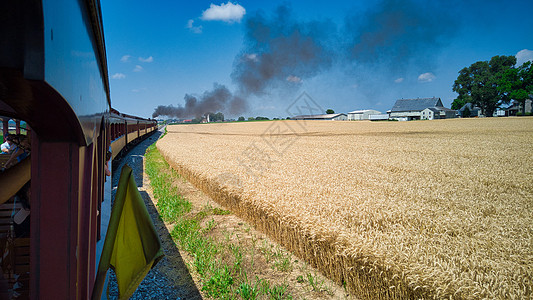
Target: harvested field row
pixel 393 209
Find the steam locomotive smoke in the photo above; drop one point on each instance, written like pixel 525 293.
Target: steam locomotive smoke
pixel 218 99
pixel 281 52
pixel 399 32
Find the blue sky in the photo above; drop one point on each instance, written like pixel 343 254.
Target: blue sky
pixel 261 55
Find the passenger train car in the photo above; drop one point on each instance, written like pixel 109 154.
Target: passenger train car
pixel 53 76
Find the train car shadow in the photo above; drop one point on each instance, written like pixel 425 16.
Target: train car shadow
pixel 170 278
pixel 133 156
pixel 172 265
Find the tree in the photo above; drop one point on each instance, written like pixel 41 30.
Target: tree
pixel 241 118
pixel 216 117
pixel 466 112
pixel 458 103
pixel 219 116
pixel 330 111
pixel 517 83
pixel 478 84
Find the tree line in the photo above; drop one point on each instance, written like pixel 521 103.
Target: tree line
pixel 490 84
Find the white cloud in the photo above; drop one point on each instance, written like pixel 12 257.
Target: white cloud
pixel 146 60
pixel 192 28
pixel 400 80
pixel 139 90
pixel 524 55
pixel 252 57
pixel 118 76
pixel 228 12
pixel 125 58
pixel 294 79
pixel 137 68
pixel 426 77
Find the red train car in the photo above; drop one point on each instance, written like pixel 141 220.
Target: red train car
pixel 53 76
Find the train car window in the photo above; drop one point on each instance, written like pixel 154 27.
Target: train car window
pixel 15 208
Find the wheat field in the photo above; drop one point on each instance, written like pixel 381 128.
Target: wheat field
pixel 421 209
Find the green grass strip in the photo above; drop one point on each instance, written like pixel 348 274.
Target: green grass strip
pixel 220 278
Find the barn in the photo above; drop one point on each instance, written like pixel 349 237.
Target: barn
pixel 412 109
pixel 364 114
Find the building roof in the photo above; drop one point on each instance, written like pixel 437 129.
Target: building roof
pixel 433 109
pixel 470 107
pixel 318 117
pixel 362 111
pixel 418 104
pixel 439 109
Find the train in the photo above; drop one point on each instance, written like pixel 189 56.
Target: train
pixel 54 78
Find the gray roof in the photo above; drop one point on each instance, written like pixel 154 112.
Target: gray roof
pixel 470 107
pixel 317 117
pixel 433 109
pixel 362 111
pixel 439 109
pixel 418 104
pixel 444 109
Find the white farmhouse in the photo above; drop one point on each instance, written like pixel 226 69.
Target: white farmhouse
pixel 364 114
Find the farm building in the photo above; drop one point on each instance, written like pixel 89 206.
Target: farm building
pixel 411 109
pixel 330 117
pixel 474 111
pixel 357 115
pixel 432 113
pixel 380 117
pixel 516 108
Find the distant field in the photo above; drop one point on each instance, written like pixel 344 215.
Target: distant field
pixel 416 209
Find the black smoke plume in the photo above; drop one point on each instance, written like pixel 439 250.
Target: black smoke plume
pixel 398 33
pixel 281 52
pixel 219 99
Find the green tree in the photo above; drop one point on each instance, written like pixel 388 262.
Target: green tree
pixel 478 84
pixel 219 116
pixel 458 103
pixel 517 83
pixel 241 118
pixel 330 111
pixel 466 113
pixel 216 117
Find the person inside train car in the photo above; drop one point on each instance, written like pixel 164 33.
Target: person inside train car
pixel 22 150
pixel 21 218
pixel 7 147
pixel 106 166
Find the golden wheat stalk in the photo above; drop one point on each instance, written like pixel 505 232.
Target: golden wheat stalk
pixel 439 209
